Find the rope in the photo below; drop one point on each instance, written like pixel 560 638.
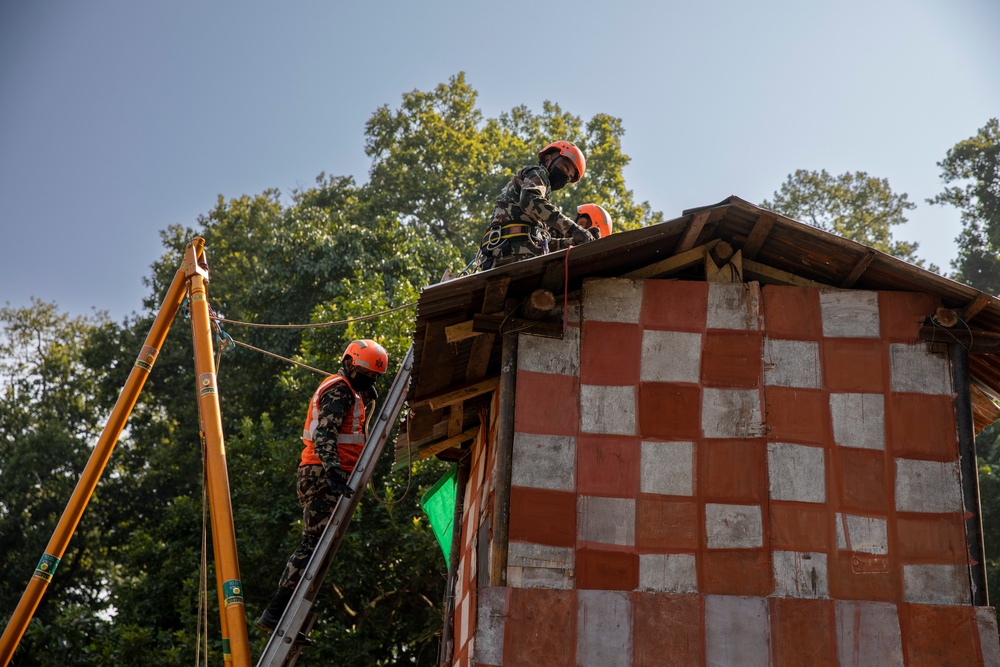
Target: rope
pixel 278 356
pixel 318 325
pixel 566 290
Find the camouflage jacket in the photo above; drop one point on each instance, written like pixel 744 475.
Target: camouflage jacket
pixel 334 405
pixel 526 199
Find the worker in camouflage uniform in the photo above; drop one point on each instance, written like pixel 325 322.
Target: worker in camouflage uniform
pixel 333 437
pixel 595 219
pixel 524 216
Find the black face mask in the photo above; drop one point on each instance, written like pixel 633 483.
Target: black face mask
pixel 557 177
pixel 360 381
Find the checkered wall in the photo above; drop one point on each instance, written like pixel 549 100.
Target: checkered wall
pixel 705 473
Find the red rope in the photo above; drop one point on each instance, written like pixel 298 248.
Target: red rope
pixel 566 290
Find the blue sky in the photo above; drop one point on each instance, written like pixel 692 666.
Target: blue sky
pixel 120 118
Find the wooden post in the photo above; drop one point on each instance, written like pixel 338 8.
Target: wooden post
pixel 504 454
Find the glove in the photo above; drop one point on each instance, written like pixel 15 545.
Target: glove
pixel 369 395
pixel 579 235
pixel 337 480
pixel 595 232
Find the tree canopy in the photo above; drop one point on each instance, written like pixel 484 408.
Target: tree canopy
pixel 128 588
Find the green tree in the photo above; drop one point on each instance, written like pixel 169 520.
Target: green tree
pixel 971 172
pixel 855 205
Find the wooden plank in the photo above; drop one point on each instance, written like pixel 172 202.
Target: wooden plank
pixel 482 347
pixel 429 450
pixel 491 324
pixel 976 306
pixel 976 342
pixel 769 274
pixel 758 234
pixel 459 332
pixel 456 418
pixel 691 233
pixel 859 268
pixel 672 264
pixel 452 396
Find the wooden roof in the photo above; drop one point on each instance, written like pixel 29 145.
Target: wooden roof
pixel 457 355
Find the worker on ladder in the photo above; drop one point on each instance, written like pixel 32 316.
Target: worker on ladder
pixel 333 437
pixel 524 215
pixel 595 219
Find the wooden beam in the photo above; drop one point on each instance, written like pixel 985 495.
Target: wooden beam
pixel 482 346
pixel 504 453
pixel 490 324
pixel 976 342
pixel 672 264
pixel 459 332
pixel 691 233
pixel 859 269
pixel 769 274
pixel 758 234
pixel 456 418
pixel 430 449
pixel 976 306
pixel 453 396
pixel 539 304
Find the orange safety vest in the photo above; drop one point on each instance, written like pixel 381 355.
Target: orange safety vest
pixel 350 439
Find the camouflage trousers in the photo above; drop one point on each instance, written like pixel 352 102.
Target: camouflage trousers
pixel 318 504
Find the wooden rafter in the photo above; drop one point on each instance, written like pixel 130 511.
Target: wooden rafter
pixel 672 264
pixel 976 306
pixel 452 396
pixel 758 234
pixel 769 274
pixel 859 268
pixel 691 233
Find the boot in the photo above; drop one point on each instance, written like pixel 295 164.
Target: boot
pixel 269 619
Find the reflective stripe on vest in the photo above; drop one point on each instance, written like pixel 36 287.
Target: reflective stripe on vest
pixel 351 433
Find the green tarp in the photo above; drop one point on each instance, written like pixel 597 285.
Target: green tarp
pixel 439 505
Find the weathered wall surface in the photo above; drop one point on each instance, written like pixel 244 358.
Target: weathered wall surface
pixel 708 474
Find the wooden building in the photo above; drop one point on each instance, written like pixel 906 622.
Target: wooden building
pixel 727 439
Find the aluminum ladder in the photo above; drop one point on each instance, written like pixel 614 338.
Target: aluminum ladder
pixel 282 649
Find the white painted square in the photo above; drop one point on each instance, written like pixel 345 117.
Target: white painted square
pixel 737 631
pixel 490 623
pixel 800 574
pixel 604 628
pixel 868 634
pixel 539 566
pixel 606 520
pixel 858 420
pixel 928 486
pixel 668 573
pixel 550 355
pixel 914 368
pixel 612 300
pixel 792 363
pixel 731 413
pixel 667 468
pixel 864 534
pixel 986 624
pixel 670 356
pixel 849 313
pixel 544 462
pixel 937 584
pixel 733 526
pixel 607 409
pixel 796 472
pixel 730 306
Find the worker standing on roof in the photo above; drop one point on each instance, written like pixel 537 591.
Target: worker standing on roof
pixel 333 435
pixel 595 219
pixel 524 215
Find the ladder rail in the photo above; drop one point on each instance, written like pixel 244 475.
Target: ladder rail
pixel 281 647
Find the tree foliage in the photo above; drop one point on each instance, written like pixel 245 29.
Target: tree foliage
pixel 971 172
pixel 129 586
pixel 855 205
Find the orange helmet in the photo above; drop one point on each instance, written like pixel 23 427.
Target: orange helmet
pixel 368 354
pixel 569 151
pixel 598 218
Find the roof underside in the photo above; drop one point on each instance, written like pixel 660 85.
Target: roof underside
pixel 456 366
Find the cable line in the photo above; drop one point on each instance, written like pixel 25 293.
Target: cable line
pixel 318 324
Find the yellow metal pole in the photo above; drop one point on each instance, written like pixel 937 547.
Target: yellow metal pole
pixel 227 567
pixel 227 654
pixel 92 472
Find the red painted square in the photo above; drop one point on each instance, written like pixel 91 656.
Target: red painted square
pixel 861 576
pixel 669 410
pixel 932 538
pixel 608 465
pixel 663 524
pixel 598 569
pixel 666 630
pixel 675 305
pixel 732 471
pixel 547 403
pixel 853 365
pixel 921 426
pixel 802 632
pixel 610 353
pixel 936 635
pixel 737 572
pixel 540 628
pixel 797 415
pixel 542 516
pixel 731 359
pixel 860 480
pixel 903 313
pixel 799 526
pixel 792 312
